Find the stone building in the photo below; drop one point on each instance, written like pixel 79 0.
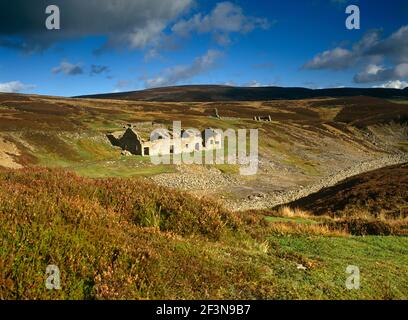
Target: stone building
pixel 263 118
pixel 163 141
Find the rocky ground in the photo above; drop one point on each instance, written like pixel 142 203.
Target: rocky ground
pixel 7 153
pixel 310 144
pixel 263 201
pixel 211 181
pixel 195 178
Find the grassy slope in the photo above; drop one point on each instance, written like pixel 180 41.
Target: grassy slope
pixel 69 132
pixel 119 239
pixel 382 192
pixel 108 247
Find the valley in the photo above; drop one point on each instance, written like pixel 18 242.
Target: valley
pixel 120 227
pixel 307 145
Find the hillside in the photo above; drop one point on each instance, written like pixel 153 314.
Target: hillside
pixel 117 231
pixel 382 192
pixel 212 93
pixel 306 141
pixel 129 239
pixel 150 153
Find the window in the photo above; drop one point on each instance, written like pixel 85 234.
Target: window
pixel 186 145
pixel 146 151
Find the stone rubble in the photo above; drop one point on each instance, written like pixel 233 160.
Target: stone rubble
pixel 282 197
pixel 199 178
pixel 193 178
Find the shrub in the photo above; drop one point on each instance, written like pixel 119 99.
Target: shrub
pixel 111 238
pixel 363 227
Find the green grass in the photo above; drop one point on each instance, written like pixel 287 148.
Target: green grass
pixel 129 239
pixel 89 149
pixel 6 107
pixel 232 169
pixel 292 220
pixel 307 167
pixel 52 161
pixel 272 146
pixel 122 169
pixel 381 260
pixel 104 124
pixel 89 155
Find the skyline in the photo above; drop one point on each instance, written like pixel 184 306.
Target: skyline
pixel 133 45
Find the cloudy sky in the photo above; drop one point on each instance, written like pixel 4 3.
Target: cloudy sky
pixel 123 45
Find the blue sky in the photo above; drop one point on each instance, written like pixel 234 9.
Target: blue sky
pixel 138 44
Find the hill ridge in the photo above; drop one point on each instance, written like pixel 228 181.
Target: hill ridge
pixel 211 93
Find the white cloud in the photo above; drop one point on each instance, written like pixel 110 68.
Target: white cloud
pixel 395 47
pixel 394 84
pixel 98 69
pixel 254 84
pixel 150 35
pixel 401 70
pixel 371 50
pixel 340 58
pixel 125 23
pixel 257 84
pixel 229 83
pixel 224 19
pixel 15 86
pixel 336 59
pixel 68 69
pixel 374 73
pixel 251 84
pixel 174 75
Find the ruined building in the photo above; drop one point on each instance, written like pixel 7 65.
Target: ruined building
pixel 263 118
pixel 164 142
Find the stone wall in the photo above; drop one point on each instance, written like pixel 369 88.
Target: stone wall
pixel 162 145
pixel 130 141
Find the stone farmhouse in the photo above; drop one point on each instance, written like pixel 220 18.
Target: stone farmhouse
pixel 164 142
